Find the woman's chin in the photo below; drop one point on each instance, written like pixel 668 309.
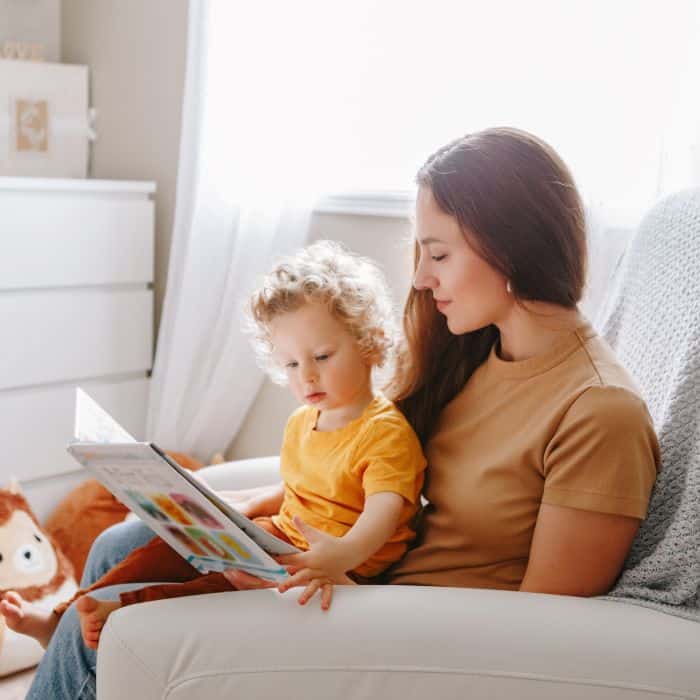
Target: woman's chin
pixel 461 327
pixel 456 327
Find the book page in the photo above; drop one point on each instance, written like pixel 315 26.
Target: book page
pixel 94 424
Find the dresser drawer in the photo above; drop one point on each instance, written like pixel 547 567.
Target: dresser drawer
pixel 62 335
pixel 50 239
pixel 37 423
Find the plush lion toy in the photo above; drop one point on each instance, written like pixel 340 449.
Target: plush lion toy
pixel 32 565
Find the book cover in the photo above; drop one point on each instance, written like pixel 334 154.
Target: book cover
pixel 177 505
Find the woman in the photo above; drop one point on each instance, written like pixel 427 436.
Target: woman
pixel 542 455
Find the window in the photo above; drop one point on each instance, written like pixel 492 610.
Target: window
pixel 355 95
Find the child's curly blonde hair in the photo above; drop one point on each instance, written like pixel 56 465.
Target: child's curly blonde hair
pixel 351 286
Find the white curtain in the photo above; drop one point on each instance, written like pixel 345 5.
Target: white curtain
pixel 287 100
pixel 230 223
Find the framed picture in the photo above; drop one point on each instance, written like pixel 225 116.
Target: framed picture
pixel 44 126
pixel 31 126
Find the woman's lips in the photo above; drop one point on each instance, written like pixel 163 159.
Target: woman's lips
pixel 316 397
pixel 441 304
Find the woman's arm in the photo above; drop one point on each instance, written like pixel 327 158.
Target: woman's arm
pixel 577 552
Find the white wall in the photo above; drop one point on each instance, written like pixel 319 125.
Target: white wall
pixel 136 51
pixel 32 21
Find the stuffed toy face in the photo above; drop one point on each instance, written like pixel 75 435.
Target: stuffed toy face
pixel 31 565
pixel 28 561
pixel 26 555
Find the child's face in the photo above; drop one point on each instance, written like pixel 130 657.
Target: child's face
pixel 321 359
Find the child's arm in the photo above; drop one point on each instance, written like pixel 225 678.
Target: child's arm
pixel 331 557
pixel 376 524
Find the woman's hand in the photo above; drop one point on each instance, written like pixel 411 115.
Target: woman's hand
pixel 243 581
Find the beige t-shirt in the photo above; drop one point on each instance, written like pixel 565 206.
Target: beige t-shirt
pixel 566 428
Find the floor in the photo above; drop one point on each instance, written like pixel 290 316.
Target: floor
pixel 15 687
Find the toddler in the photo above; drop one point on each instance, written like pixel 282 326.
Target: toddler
pixel 351 465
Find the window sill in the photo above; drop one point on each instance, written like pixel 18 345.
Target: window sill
pixel 397 204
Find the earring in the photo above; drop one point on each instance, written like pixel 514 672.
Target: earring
pixel 509 289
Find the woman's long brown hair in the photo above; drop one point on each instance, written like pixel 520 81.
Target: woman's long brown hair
pixel 516 202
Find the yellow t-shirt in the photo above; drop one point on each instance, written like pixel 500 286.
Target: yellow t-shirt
pixel 328 475
pixel 566 428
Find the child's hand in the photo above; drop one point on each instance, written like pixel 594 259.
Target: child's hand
pixel 323 565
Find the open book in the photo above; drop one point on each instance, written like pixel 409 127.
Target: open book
pixel 176 505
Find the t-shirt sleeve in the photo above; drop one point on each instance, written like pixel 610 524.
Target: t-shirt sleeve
pixel 604 455
pixel 391 459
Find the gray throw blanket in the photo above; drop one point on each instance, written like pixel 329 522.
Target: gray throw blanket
pixel 652 321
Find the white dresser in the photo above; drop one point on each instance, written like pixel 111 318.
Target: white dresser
pixel 76 308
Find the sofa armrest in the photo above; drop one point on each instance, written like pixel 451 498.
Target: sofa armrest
pixel 243 473
pixel 396 642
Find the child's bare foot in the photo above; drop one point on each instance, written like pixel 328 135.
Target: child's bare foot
pixel 93 615
pixel 25 618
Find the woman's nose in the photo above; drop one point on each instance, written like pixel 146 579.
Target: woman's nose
pixel 422 280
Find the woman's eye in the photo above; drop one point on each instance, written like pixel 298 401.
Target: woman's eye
pixel 291 365
pixel 438 258
pixel 320 358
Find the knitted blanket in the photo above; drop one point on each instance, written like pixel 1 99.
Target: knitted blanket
pixel 652 321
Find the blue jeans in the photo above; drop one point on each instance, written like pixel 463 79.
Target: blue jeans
pixel 67 670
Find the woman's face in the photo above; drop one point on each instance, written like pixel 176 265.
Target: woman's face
pixel 466 289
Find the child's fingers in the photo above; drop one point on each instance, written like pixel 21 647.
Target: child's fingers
pixel 300 578
pixel 326 596
pixel 309 591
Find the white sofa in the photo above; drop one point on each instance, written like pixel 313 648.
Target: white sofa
pixel 393 642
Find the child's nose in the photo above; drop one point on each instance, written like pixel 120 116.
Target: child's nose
pixel 310 374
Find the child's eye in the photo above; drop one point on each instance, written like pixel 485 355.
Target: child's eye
pixel 324 356
pixel 291 365
pixel 438 258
